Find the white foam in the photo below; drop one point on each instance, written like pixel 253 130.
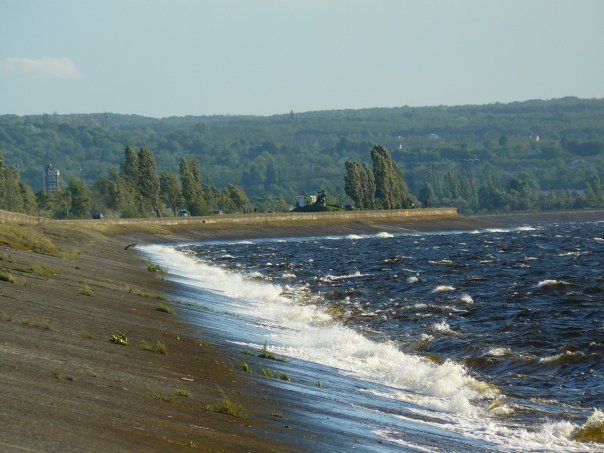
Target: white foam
pixel 331 278
pixel 443 289
pixel 466 298
pixel 384 235
pixel 354 236
pixel 412 279
pixel 599 240
pixel 305 331
pixel 497 352
pixel 308 332
pixel 546 283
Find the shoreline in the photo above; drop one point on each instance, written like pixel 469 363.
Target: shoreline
pixel 67 388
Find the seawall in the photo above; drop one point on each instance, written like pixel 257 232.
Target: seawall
pixel 255 218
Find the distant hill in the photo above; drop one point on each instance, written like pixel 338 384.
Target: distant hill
pixel 553 145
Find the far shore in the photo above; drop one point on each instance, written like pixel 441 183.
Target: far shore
pixel 67 287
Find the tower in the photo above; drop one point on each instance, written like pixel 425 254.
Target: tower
pixel 51 179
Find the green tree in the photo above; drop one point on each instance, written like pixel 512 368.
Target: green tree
pixel 171 192
pixel 426 195
pixel 80 201
pixel 192 191
pixel 359 184
pixel 237 200
pixel 148 182
pixel 390 187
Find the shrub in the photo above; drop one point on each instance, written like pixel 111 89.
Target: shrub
pixel 157 269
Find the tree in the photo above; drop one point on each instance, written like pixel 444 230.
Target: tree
pixel 171 192
pixel 190 178
pixel 359 184
pixel 237 199
pixel 148 181
pixel 79 198
pixel 129 168
pixel 390 188
pixel 426 195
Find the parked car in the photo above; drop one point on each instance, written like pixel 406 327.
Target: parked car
pixel 183 213
pixel 97 215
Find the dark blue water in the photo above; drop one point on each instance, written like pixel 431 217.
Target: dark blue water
pixel 519 311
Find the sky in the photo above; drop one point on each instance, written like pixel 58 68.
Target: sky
pixel 164 58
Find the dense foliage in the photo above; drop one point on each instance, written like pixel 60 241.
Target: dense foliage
pixel 499 157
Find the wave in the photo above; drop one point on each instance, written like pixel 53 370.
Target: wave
pixel 552 283
pixel 353 236
pixel 443 289
pixel 308 332
pixel 384 235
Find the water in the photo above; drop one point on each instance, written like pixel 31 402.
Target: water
pixel 455 341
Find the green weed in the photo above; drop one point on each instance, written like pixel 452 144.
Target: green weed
pixel 158 347
pixel 228 406
pixel 86 290
pixel 245 367
pixel 119 338
pixel 42 270
pixel 157 270
pixel 6 276
pixel 165 309
pixel 267 372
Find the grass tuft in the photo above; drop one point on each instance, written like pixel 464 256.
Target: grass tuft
pixel 44 324
pixel 183 393
pixel 267 372
pixel 158 347
pixel 245 367
pixel 265 354
pixel 42 270
pixel 229 407
pixel 165 309
pixel 86 290
pixel 7 277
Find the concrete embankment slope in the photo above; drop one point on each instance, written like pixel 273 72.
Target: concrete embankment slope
pixel 292 218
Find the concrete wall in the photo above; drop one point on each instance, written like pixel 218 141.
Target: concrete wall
pixel 22 219
pixel 287 217
pixel 253 219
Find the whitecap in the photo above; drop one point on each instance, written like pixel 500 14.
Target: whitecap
pixel 599 240
pixel 550 283
pixel 443 289
pixel 384 235
pixel 412 279
pixel 466 298
pixel 498 352
pixel 354 236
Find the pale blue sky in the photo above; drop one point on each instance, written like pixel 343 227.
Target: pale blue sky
pixel 196 57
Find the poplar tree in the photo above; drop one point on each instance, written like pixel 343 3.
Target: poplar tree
pixel 390 188
pixel 359 184
pixel 148 181
pixel 171 192
pixel 190 179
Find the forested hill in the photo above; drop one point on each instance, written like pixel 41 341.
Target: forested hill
pixel 552 145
